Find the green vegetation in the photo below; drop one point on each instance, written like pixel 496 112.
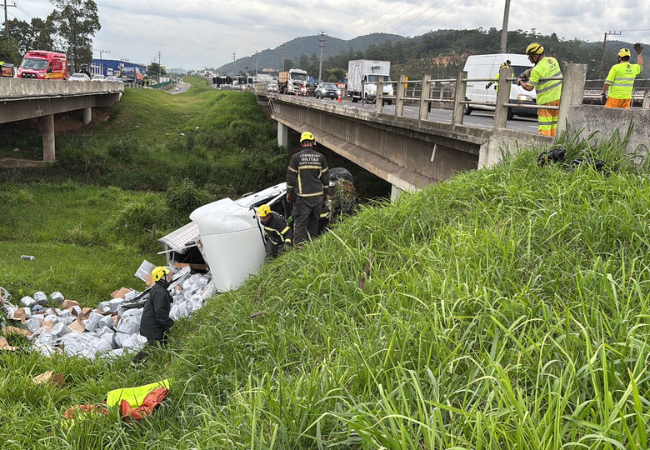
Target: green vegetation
pixel 505 308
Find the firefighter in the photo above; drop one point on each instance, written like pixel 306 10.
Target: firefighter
pixel 155 322
pixel 278 234
pixel 620 81
pixel 548 91
pixel 307 183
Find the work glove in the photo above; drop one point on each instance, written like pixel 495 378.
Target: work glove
pixel 603 98
pixel 487 86
pixel 638 48
pixel 525 74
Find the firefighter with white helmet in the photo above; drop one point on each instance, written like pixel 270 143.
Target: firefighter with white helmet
pixel 618 87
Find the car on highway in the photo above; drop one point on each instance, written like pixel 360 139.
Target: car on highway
pixel 272 87
pixel 327 90
pixel 101 78
pixel 79 77
pixel 111 78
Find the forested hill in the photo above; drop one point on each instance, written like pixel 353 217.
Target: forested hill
pixel 440 53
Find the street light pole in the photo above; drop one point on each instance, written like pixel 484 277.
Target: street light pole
pixel 320 67
pixel 101 60
pixel 504 30
pixel 602 58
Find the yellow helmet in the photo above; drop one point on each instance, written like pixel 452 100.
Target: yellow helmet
pixel 535 49
pixel 263 211
pixel 624 52
pixel 307 136
pixel 159 273
pixel 504 65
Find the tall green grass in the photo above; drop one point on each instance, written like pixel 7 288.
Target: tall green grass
pixel 505 308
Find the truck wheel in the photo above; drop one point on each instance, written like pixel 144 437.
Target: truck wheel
pixel 510 114
pixel 467 110
pixel 354 99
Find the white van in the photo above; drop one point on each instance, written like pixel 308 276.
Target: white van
pixel 487 66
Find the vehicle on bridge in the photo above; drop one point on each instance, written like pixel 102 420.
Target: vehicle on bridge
pixel 487 67
pixel 295 80
pixel 79 76
pixel 44 65
pixel 363 77
pixel 327 90
pixel 7 70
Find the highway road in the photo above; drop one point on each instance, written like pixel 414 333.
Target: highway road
pixel 479 119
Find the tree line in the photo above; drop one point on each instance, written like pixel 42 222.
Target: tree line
pixel 68 29
pixel 442 53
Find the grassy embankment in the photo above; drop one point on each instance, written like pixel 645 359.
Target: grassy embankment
pixel 81 218
pixel 505 308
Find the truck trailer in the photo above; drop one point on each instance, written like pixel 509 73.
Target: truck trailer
pixel 363 76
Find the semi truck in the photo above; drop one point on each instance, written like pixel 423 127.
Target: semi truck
pixel 295 80
pixel 363 76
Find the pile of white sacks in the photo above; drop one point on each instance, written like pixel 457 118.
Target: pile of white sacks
pixel 110 329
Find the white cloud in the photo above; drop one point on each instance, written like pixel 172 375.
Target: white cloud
pixel 200 33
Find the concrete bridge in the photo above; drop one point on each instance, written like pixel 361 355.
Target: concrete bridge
pixel 411 153
pixel 23 99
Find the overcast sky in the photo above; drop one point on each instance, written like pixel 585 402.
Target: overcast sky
pixel 193 34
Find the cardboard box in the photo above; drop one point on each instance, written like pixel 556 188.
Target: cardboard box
pixel 20 314
pixel 56 379
pixel 149 280
pixel 77 325
pixel 4 345
pixel 69 304
pixel 120 293
pixel 85 312
pixel 15 330
pixel 178 265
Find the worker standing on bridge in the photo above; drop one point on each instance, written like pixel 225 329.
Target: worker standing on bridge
pixel 308 181
pixel 548 91
pixel 618 87
pixel 504 65
pixel 278 234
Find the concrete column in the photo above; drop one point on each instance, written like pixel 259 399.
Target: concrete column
pixel 503 96
pixel 283 135
pixel 459 96
pixel 88 115
pixel 646 99
pixel 424 95
pixel 573 91
pixel 399 101
pixel 380 95
pixel 48 138
pixel 395 193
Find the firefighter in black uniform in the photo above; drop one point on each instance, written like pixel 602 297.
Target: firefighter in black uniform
pixel 307 180
pixel 155 321
pixel 278 233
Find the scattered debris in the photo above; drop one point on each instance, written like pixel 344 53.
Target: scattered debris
pixel 57 379
pixel 106 331
pixel 27 258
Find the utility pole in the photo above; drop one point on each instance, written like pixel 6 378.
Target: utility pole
pixel 602 58
pixel 256 54
pixel 320 67
pixel 159 67
pixel 283 57
pixel 504 29
pixel 101 60
pixel 234 70
pixel 7 17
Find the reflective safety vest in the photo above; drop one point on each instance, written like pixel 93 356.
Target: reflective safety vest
pixel 621 80
pixel 549 90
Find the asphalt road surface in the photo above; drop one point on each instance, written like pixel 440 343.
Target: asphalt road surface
pixel 180 88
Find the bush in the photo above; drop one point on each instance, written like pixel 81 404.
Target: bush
pixel 124 148
pixel 185 197
pixel 142 214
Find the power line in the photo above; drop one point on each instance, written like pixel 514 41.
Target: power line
pixel 405 12
pixel 376 18
pixel 435 15
pixel 23 11
pixel 394 29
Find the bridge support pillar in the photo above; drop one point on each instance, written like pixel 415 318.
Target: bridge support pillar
pixel 283 135
pixel 88 115
pixel 48 138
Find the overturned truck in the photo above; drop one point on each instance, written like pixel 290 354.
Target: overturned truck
pixel 226 237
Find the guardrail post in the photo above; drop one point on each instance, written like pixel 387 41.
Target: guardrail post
pixel 573 92
pixel 503 96
pixel 379 99
pixel 425 92
pixel 646 99
pixel 459 95
pixel 399 101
